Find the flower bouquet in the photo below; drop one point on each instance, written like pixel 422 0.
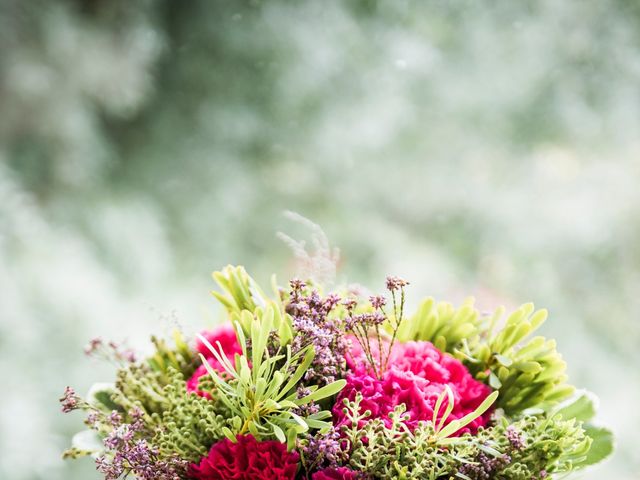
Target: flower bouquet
pixel 308 384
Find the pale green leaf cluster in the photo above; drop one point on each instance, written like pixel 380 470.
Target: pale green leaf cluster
pixel 244 299
pixel 239 291
pixel 442 324
pixel 528 372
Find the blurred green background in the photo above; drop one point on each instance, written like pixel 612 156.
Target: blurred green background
pixel 475 148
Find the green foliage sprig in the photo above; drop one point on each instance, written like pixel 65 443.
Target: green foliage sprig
pixel 530 448
pixel 138 385
pixel 190 425
pixel 393 451
pixel 262 396
pixel 177 355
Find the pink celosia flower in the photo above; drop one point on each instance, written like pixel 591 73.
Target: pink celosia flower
pixel 226 335
pixel 247 459
pixel 340 473
pixel 426 361
pixel 416 376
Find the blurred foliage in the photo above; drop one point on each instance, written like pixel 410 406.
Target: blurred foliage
pixel 471 147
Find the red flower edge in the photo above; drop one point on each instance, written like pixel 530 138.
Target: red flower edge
pixel 226 335
pixel 246 459
pixel 341 473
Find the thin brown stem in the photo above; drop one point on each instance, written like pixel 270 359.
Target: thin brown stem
pixel 397 320
pixel 382 366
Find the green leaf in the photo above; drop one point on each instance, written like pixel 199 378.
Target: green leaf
pixel 224 300
pixel 324 392
pixel 292 434
pixel 220 356
pixel 229 434
pixel 100 396
pixel 494 381
pixel 321 415
pixel 319 424
pixel 463 476
pixel 489 450
pixel 241 338
pixel 278 432
pixel 245 371
pixel 436 409
pixel 449 407
pixel 538 318
pixel 581 407
pixel 528 367
pixel 300 371
pixel 261 388
pixel 601 447
pixel 467 419
pixel 300 421
pixel 502 360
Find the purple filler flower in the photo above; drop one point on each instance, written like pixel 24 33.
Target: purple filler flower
pixel 69 400
pixel 377 301
pixel 314 325
pixel 129 454
pixel 395 283
pixel 324 450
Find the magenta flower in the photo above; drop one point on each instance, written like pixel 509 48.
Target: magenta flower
pixel 416 376
pixel 340 473
pixel 226 335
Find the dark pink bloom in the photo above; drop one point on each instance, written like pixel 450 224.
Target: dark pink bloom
pixel 247 459
pixel 226 335
pixel 340 473
pixel 416 376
